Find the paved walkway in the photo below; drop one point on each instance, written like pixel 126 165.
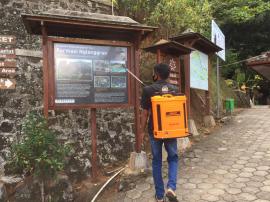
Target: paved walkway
pixel 232 164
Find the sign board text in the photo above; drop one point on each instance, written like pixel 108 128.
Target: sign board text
pixel 5 39
pixel 7 53
pixel 8 71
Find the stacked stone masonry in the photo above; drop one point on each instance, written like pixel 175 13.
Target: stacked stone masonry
pixel 115 126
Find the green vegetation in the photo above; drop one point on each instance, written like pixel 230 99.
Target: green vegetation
pixel 239 11
pixel 38 152
pixel 245 24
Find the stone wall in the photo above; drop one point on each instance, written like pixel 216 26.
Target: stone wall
pixel 115 127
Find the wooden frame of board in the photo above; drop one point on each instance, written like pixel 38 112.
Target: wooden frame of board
pixel 51 75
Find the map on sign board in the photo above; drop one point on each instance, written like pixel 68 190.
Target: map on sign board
pixel 199 70
pixel 90 74
pixel 218 38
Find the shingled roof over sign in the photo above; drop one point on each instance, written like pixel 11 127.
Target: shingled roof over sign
pixel 169 47
pixel 60 13
pixel 198 41
pixel 83 24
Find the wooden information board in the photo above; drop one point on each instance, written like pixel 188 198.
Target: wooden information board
pixel 86 74
pixel 174 64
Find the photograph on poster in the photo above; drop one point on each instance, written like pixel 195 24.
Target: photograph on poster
pixel 118 53
pixel 118 82
pixel 102 82
pixel 118 66
pixel 73 69
pixel 101 66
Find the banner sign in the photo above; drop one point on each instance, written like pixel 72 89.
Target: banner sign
pixel 219 39
pixel 90 74
pixel 199 70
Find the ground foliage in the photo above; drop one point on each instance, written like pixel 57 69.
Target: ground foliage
pixel 38 152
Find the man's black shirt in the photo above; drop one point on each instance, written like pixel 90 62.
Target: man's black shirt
pixel 150 91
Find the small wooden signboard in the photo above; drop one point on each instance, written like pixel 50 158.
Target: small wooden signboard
pixel 6 39
pixel 7 53
pixel 8 71
pixel 7 67
pixel 8 64
pixel 6 83
pixel 169 52
pixel 174 64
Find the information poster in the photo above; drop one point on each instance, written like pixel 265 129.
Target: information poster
pixel 90 74
pixel 199 70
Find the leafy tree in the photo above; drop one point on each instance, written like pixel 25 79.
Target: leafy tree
pixel 246 26
pixel 38 152
pixel 232 56
pixel 238 11
pixel 171 16
pixel 139 10
pixel 175 16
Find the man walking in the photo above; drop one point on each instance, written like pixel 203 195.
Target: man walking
pixel 161 74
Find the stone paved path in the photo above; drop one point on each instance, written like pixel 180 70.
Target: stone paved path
pixel 232 164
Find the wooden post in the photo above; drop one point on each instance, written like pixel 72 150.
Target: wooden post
pixel 138 143
pixel 94 143
pixel 158 56
pixel 207 93
pixel 187 82
pixel 179 70
pixel 45 69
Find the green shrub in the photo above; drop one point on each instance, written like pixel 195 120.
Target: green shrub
pixel 38 152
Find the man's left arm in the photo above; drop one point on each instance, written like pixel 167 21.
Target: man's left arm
pixel 144 119
pixel 145 105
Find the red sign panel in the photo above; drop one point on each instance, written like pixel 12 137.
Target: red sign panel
pixel 8 64
pixel 5 39
pixel 7 53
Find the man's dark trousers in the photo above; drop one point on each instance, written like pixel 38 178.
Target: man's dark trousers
pixel 171 148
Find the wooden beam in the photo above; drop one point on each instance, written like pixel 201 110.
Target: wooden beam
pixel 138 143
pixel 178 62
pixel 158 56
pixel 207 93
pixel 45 69
pixel 187 83
pixel 93 125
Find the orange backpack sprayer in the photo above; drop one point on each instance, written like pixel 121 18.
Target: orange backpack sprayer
pixel 169 115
